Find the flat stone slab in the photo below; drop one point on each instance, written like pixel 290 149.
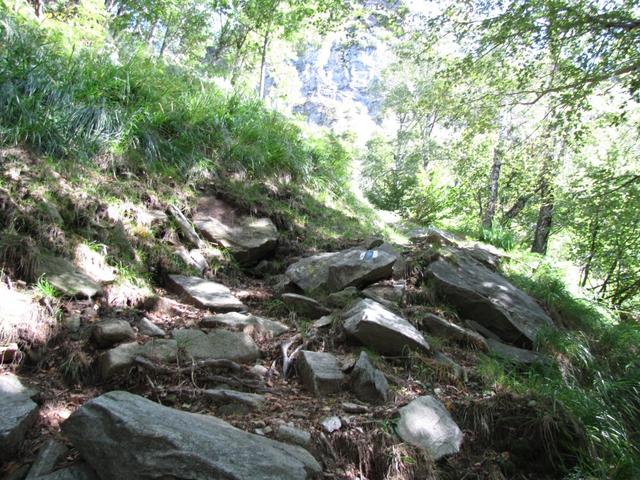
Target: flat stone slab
pixel 304 306
pixel 223 395
pixel 443 328
pixel 368 383
pixel 250 324
pixel 206 294
pixel 218 344
pixel 249 239
pixel 375 326
pixel 332 272
pixel 75 472
pixel 147 327
pixel 320 372
pixel 427 424
pixel 486 297
pixel 109 332
pixel 125 436
pixel 17 414
pixel 122 357
pixel 392 293
pixel 513 354
pixel 51 452
pixel 64 276
pixel 293 435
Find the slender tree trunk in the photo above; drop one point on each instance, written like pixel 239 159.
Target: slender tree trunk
pixel 594 227
pixel 545 220
pixel 38 7
pixel 494 181
pixel 165 41
pixel 263 65
pixel 149 39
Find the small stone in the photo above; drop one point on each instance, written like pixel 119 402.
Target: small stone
pixel 17 413
pixel 295 436
pixel 73 323
pixel 304 306
pixel 110 332
pixel 350 407
pixel 368 383
pixel 259 371
pixel 64 276
pixel 320 372
pixel 343 298
pixel 331 424
pixel 322 322
pixel 147 327
pixel 79 471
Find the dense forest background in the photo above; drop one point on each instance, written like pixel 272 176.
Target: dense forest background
pixel 516 123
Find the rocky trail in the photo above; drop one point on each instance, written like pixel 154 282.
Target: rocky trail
pixel 333 365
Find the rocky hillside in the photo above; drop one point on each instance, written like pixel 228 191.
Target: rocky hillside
pixel 360 362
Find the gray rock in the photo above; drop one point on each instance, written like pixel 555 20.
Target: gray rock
pixel 93 264
pixel 350 407
pixel 293 435
pixel 331 424
pixel 442 328
pixel 325 321
pixel 332 272
pixel 48 456
pixel 343 298
pixel 122 357
pixel 427 424
pixel 488 298
pixel 375 326
pixel 110 332
pixel 218 344
pixel 17 414
pixel 76 472
pixel 389 295
pixel 206 294
pixel 123 436
pixel 368 383
pixel 485 254
pixel 64 276
pixel 433 236
pixel 10 353
pixel 400 265
pixel 320 372
pixel 249 239
pixel 304 306
pixel 223 395
pixel 513 354
pixel 248 323
pixel 259 371
pixel 485 332
pixel 147 327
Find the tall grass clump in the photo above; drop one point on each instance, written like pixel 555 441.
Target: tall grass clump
pixel 595 378
pixel 120 108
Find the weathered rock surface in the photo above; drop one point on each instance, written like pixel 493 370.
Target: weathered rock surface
pixel 304 306
pixel 17 413
pixel 320 372
pixel 223 395
pixel 147 327
pixel 488 298
pixel 206 294
pixel 49 455
pixel 218 344
pixel 323 322
pixel 443 328
pixel 110 332
pixel 513 354
pixel 375 326
pixel 390 295
pixel 331 424
pixel 332 272
pixel 76 472
pixel 63 275
pixel 368 383
pixel 123 435
pixel 249 239
pixel 122 357
pixel 343 298
pixel 250 324
pixel 427 424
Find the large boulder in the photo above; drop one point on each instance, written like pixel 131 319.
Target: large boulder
pixel 122 435
pixel 375 326
pixel 443 328
pixel 217 345
pixel 249 239
pixel 513 354
pixel 483 295
pixel 206 294
pixel 427 424
pixel 17 414
pixel 305 306
pixel 109 332
pixel 332 272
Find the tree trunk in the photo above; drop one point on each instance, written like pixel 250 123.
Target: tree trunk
pixel 494 180
pixel 165 41
pixel 543 226
pixel 38 7
pixel 149 39
pixel 263 65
